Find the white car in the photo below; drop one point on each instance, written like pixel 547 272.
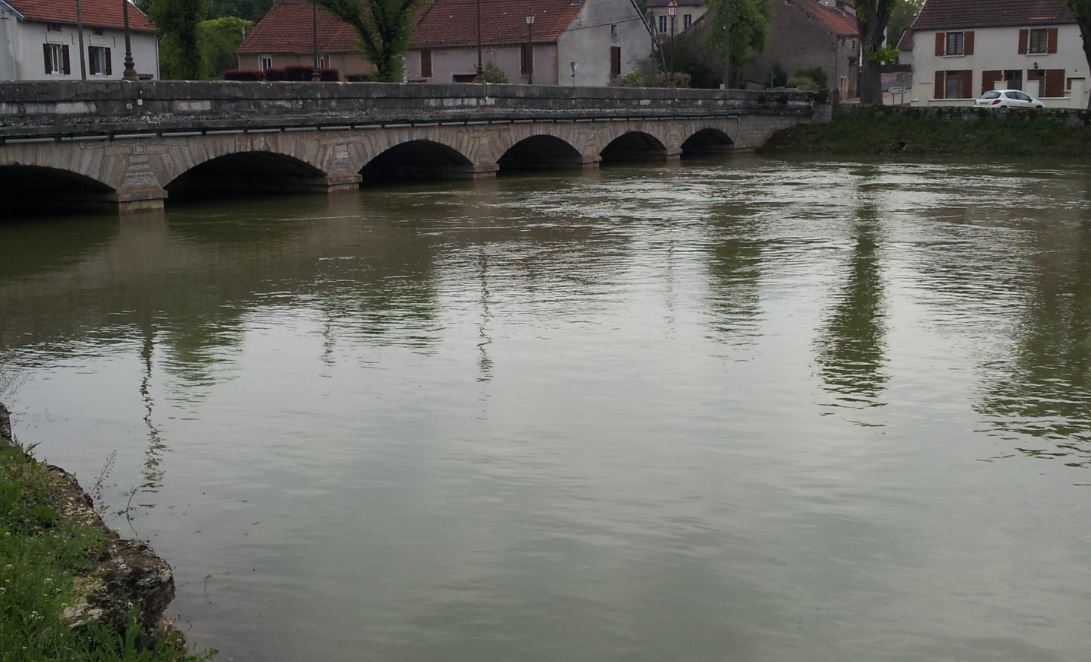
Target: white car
pixel 1004 99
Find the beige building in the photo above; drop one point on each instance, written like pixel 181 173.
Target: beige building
pixel 686 13
pixel 285 37
pixel 569 42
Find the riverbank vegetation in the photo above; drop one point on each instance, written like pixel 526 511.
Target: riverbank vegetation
pixel 47 556
pixel 963 132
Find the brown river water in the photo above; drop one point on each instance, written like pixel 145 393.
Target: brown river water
pixel 741 409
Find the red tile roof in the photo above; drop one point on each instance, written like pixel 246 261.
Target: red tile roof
pixel 906 42
pixel 449 23
pixel 841 23
pixel 287 28
pixel 944 14
pixel 93 13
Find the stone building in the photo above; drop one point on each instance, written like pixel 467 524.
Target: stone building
pixel 804 34
pixel 687 12
pixel 960 50
pixel 571 42
pixel 40 40
pixel 285 37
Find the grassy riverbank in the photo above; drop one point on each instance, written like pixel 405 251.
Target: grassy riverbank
pixel 962 132
pixel 46 555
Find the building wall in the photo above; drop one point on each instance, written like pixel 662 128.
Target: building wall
pixel 347 64
pixel 797 40
pixel 22 41
pixel 600 25
pixel 695 12
pixel 449 62
pixel 998 49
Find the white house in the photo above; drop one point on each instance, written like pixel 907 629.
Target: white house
pixel 686 13
pixel 40 40
pixel 964 48
pixel 569 42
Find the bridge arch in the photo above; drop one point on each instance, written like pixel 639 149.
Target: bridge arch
pixel 418 159
pixel 35 189
pixel 708 140
pixel 540 151
pixel 634 146
pixel 246 171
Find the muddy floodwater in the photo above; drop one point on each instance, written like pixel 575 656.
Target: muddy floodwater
pixel 737 409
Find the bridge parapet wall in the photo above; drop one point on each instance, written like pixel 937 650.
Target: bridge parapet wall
pixel 51 109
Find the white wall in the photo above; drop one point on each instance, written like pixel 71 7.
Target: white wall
pixel 588 40
pixel 28 37
pixel 998 48
pixel 8 25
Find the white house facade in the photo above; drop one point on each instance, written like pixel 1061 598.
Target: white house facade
pixel 547 42
pixel 964 48
pixel 40 41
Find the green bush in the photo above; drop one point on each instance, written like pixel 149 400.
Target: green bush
pixel 632 79
pixel 493 74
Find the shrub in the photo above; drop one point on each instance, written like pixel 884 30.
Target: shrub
pixel 802 83
pixel 298 73
pixel 242 74
pixel 493 74
pixel 632 79
pixel 329 75
pixel 817 74
pixel 274 74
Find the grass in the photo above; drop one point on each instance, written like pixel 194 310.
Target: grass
pixel 893 132
pixel 43 555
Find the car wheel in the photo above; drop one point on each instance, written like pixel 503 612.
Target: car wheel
pixel 1039 107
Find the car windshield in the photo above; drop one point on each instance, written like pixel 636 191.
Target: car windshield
pixel 990 95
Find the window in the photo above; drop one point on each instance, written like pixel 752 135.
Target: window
pixel 98 61
pixel 615 61
pixel 1042 41
pixel 53 27
pixel 663 24
pixel 265 62
pixel 954 84
pixel 953 44
pixel 425 63
pixel 1038 42
pixel 956 43
pixel 98 32
pixel 56 59
pixel 526 60
pixel 687 20
pixel 613 33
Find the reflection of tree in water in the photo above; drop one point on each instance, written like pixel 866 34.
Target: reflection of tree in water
pixel 153 473
pixel 851 349
pixel 734 264
pixel 1044 393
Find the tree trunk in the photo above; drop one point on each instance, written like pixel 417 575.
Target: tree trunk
pixel 1085 32
pixel 871 18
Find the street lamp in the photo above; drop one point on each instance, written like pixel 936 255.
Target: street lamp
pixel 530 47
pixel 480 69
pixel 672 9
pixel 130 70
pixel 79 31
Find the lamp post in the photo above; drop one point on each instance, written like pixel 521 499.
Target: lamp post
pixel 315 74
pixel 79 31
pixel 130 70
pixel 530 47
pixel 672 9
pixel 480 68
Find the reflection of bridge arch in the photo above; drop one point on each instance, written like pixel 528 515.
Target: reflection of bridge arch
pixel 26 188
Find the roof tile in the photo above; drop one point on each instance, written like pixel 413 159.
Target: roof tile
pixel 93 13
pixel 288 28
pixel 449 23
pixel 944 14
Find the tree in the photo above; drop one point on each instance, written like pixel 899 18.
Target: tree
pixel 217 40
pixel 1081 9
pixel 384 27
pixel 902 15
pixel 872 17
pixel 177 21
pixel 747 23
pixel 250 9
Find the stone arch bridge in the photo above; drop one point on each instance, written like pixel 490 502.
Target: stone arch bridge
pixel 130 146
